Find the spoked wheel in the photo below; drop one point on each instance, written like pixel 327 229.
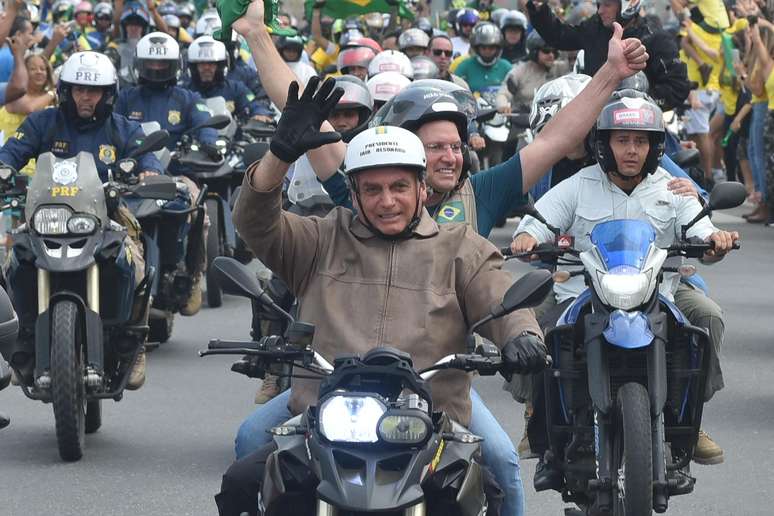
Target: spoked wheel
pixel 93 416
pixel 632 453
pixel 68 394
pixel 214 249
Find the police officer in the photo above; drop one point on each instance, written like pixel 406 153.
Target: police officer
pixel 207 63
pixel 85 121
pixel 157 98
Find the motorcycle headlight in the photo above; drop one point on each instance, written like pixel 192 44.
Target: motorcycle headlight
pixel 404 427
pixel 81 224
pixel 624 287
pixel 51 221
pixel 351 419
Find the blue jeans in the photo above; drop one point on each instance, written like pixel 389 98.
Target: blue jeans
pixel 497 449
pixel 755 149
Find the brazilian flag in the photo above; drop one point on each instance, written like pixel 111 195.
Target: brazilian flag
pixel 346 8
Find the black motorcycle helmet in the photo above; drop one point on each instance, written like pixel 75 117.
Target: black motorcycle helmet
pixel 429 100
pixel 629 110
pixel 535 43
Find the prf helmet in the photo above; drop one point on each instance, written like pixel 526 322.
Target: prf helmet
pixel 157 59
pixel 486 34
pixel 553 96
pixel 208 23
pixel 629 110
pixel 88 69
pixel 206 49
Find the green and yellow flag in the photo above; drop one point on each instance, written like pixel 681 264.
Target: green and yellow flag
pixel 346 8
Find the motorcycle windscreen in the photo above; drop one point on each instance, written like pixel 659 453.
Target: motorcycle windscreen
pixel 73 182
pixel 624 243
pixel 218 106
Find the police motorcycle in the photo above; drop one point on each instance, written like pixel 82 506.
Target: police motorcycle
pixel 71 279
pixel 495 128
pixel 220 179
pixel 624 396
pixel 9 328
pixel 373 443
pixel 166 231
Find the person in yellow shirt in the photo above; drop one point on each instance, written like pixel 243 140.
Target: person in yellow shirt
pixel 327 51
pixel 766 62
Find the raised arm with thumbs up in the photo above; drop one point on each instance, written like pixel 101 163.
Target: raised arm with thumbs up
pixel 569 127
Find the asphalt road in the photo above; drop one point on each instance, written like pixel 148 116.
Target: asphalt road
pixel 162 450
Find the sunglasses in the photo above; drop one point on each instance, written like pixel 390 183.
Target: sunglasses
pixel 439 52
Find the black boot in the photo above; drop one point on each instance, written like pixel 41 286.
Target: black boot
pixel 547 477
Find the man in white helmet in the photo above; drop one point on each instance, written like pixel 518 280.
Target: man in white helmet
pixel 85 121
pixel 157 98
pixel 207 63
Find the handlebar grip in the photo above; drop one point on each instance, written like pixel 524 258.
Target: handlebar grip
pixel 506 251
pixel 736 245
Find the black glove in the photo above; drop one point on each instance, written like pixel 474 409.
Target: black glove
pixel 525 354
pixel 298 129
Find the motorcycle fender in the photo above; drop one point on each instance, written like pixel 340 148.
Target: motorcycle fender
pixel 596 362
pixel 293 447
pixel 93 336
pixel 657 373
pixel 65 258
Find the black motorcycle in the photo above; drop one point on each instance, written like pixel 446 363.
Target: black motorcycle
pixel 72 282
pixel 625 395
pixel 373 442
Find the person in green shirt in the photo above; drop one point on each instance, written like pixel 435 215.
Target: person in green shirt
pixel 484 70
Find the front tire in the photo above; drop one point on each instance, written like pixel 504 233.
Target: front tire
pixel 68 394
pixel 214 249
pixel 632 453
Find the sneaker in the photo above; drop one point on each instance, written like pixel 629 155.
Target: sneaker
pixel 707 451
pixel 718 175
pixel 137 375
pixel 269 389
pixel 194 303
pixel 524 450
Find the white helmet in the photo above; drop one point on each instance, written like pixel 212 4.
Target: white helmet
pixel 391 61
pixel 154 48
pixel 385 85
pixel 553 96
pixel 206 49
pixel 208 23
pixel 385 146
pixel 88 69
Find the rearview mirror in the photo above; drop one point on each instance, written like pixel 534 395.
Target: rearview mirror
pixel 727 195
pixel 156 187
pixel 215 122
pixel 235 279
pixel 152 143
pixel 530 290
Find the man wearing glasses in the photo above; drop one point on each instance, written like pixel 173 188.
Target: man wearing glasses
pixel 440 51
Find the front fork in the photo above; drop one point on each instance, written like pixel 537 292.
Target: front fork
pixel 93 376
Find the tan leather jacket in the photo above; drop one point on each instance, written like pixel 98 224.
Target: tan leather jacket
pixel 361 291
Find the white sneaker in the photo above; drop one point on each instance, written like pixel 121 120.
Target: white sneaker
pixel 719 175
